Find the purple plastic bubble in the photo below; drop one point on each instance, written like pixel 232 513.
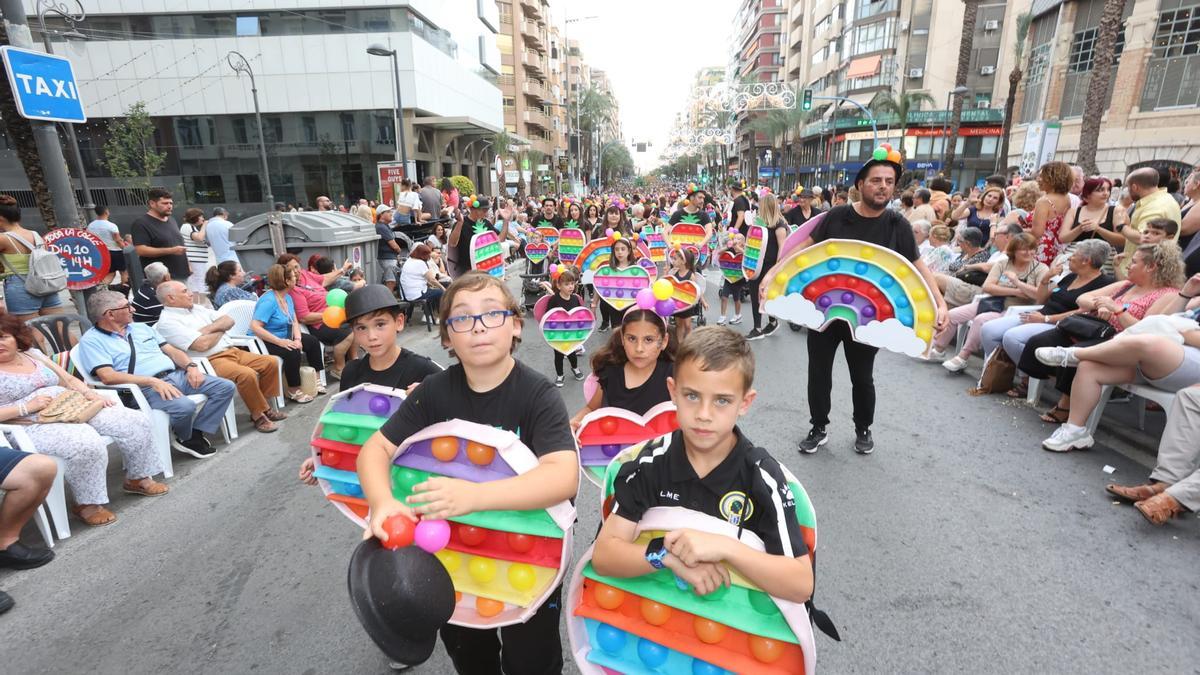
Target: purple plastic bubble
pixel 868 311
pixel 847 297
pixel 824 302
pixel 610 450
pixel 665 307
pixel 646 299
pixel 380 405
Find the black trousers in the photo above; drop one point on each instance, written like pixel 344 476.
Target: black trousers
pixel 530 648
pixel 755 313
pixel 1063 377
pixel 822 347
pixel 330 336
pixel 291 358
pixel 558 362
pixel 608 315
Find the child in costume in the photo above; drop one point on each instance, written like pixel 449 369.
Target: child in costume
pixel 622 257
pixel 633 367
pixel 562 290
pixel 374 316
pixel 732 289
pixel 683 268
pixel 709 466
pixel 482 327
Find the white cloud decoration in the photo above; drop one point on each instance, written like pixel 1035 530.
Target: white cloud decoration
pixel 796 308
pixel 892 336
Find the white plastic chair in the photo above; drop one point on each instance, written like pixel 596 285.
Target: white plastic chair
pixel 242 312
pixel 56 500
pixel 229 425
pixel 1160 396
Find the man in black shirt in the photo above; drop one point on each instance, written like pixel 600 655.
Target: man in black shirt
pixel 804 210
pixel 869 220
pixel 156 236
pixel 549 215
pixel 738 215
pixel 465 228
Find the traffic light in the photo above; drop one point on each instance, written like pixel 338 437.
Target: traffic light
pixel 806 102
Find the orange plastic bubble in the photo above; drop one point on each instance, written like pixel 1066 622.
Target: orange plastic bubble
pixel 709 631
pixel 457 597
pixel 654 613
pixel 480 454
pixel 444 448
pixel 482 570
pixel 488 607
pixel 765 650
pixel 521 543
pixel 608 597
pixel 608 426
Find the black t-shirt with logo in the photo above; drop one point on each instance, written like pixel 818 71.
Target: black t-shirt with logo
pixel 408 367
pixel 638 399
pixel 525 403
pixel 669 480
pixel 150 231
pixel 889 230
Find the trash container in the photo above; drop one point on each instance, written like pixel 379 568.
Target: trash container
pixel 328 233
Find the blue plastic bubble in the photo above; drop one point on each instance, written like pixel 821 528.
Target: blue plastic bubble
pixel 905 318
pixel 705 668
pixel 860 268
pixel 887 282
pixel 902 302
pixel 834 264
pixel 651 653
pixel 609 638
pixel 805 277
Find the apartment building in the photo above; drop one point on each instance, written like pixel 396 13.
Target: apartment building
pixel 756 56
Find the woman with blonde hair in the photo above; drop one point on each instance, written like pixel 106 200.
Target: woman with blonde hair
pixel 777 231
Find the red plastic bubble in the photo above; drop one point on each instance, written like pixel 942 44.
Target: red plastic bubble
pixel 766 650
pixel 400 531
pixel 521 543
pixel 471 536
pixel 480 454
pixel 608 426
pixel 709 631
pixel 654 613
pixel 608 597
pixel 329 458
pixel 444 448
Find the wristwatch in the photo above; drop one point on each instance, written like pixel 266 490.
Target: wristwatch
pixel 190 365
pixel 656 551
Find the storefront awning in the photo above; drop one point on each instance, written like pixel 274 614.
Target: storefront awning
pixel 864 67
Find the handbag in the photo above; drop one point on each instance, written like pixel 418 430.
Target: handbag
pixel 998 373
pixel 992 303
pixel 1085 328
pixel 69 407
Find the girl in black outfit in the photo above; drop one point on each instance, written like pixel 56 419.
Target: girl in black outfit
pixel 777 232
pixel 683 268
pixel 633 366
pixel 591 218
pixel 563 289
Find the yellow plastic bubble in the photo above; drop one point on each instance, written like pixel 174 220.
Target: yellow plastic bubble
pixel 521 576
pixel 773 293
pixel 925 334
pixel 925 316
pixel 451 560
pixel 900 272
pixel 804 261
pixel 779 281
pixel 868 252
pixel 482 570
pixel 919 294
pixel 831 249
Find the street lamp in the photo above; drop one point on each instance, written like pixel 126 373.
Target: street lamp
pixel 579 57
pixel 378 49
pixel 240 65
pixel 64 11
pixel 950 95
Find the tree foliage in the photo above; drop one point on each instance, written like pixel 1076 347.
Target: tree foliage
pixel 465 185
pixel 129 152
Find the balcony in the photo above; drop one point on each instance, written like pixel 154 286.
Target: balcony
pixel 534 88
pixel 795 38
pixel 534 62
pixel 537 118
pixel 534 35
pixel 532 8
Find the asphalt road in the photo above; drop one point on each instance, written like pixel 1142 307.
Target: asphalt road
pixel 959 546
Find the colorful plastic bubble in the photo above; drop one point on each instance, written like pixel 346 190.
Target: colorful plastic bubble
pixel 609 638
pixel 400 531
pixel 886 146
pixel 705 668
pixel 488 607
pixel 380 404
pixel 655 614
pixel 646 299
pixel 651 653
pixel 482 570
pixel 608 232
pixel 766 650
pixel 879 154
pixel 708 631
pixel 432 535
pixel 665 307
pixel 471 536
pixel 451 560
pixel 333 316
pixel 444 448
pixel 607 596
pixel 521 576
pixel 608 425
pixel 894 156
pixel 616 236
pixel 663 289
pixel 336 298
pixel 610 450
pixel 347 433
pixel 480 454
pixel 763 604
pixel 520 543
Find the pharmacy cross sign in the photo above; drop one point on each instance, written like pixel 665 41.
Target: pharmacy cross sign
pixel 43 86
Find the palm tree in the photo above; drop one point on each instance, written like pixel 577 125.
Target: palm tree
pixel 908 101
pixel 595 111
pixel 1100 84
pixel 20 131
pixel 502 145
pixel 970 14
pixel 774 125
pixel 1014 79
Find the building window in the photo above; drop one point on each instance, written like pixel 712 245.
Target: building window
pixel 207 190
pixel 249 187
pixel 187 130
pixel 273 130
pixel 1039 58
pixel 348 127
pixel 385 130
pixel 239 130
pixel 1082 56
pixel 247 26
pixel 873 37
pixel 309 127
pixel 869 8
pixel 1173 74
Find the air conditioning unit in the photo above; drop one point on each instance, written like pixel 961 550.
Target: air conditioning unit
pixel 903 26
pixel 987 70
pixel 914 73
pixel 991 24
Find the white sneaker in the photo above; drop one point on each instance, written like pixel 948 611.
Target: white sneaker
pixel 936 354
pixel 955 364
pixel 736 319
pixel 1068 436
pixel 1062 357
pixel 721 321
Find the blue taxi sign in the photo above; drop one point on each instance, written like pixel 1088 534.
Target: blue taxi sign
pixel 43 85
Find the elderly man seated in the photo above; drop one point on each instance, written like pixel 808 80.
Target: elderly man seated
pixel 115 350
pixel 1174 487
pixel 146 305
pixel 200 331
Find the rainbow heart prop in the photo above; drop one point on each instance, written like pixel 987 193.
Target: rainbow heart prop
pixel 657 242
pixel 684 294
pixel 619 288
pixel 648 265
pixel 605 433
pixel 570 242
pixel 687 233
pixel 874 289
pixel 756 239
pixel 731 266
pixel 594 256
pixel 566 330
pixel 486 252
pixel 536 253
pixel 548 232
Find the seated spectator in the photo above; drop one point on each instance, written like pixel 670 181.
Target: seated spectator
pixel 146 306
pixel 26 479
pixel 419 279
pixel 1058 302
pixel 225 284
pixel 200 331
pixel 1157 230
pixel 1155 275
pixel 30 381
pixel 1175 482
pixel 939 254
pixel 920 230
pixel 308 295
pixel 981 210
pixel 1016 280
pixel 275 323
pixel 1094 218
pixel 117 351
pixel 438 261
pixel 964 277
pixel 440 238
pixel 1157 360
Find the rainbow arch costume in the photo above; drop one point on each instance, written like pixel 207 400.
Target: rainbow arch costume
pixel 654 624
pixel 504 564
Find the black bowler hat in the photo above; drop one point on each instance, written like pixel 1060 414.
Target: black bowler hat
pixel 369 298
pixel 402 598
pixel 862 173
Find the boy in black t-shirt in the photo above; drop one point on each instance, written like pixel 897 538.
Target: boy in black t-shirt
pixel 482 327
pixel 739 218
pixel 868 220
pixel 710 467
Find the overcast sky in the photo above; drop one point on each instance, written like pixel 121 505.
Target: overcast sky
pixel 651 50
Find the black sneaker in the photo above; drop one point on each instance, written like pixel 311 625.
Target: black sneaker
pixel 18 556
pixel 794 326
pixel 577 373
pixel 196 447
pixel 603 328
pixel 755 334
pixel 863 443
pixel 558 381
pixel 815 439
pixel 772 326
pixel 6 602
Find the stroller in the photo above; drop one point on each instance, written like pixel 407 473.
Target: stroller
pixel 531 283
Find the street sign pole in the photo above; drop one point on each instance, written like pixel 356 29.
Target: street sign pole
pixel 61 9
pixel 54 163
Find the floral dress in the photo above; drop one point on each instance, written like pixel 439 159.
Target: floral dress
pixel 80 446
pixel 1050 245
